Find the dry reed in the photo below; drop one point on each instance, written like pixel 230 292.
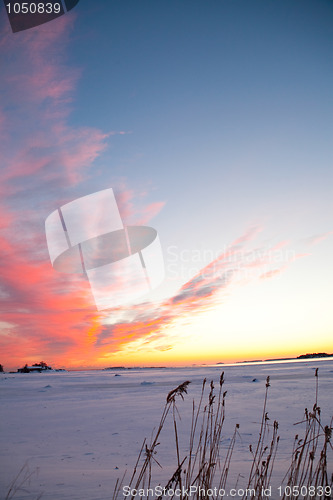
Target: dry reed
pixel 203 466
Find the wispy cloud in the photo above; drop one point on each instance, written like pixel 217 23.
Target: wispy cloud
pixel 44 313
pixel 317 238
pixel 38 88
pixel 133 207
pixel 238 265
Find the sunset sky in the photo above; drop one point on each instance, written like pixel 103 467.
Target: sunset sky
pixel 212 121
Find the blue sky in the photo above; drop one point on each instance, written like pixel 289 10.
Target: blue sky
pixel 228 103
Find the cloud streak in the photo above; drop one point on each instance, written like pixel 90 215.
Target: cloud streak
pixel 317 238
pixel 44 314
pixel 236 266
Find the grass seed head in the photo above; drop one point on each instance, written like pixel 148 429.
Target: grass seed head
pixel 178 391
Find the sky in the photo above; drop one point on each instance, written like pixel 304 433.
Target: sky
pixel 212 122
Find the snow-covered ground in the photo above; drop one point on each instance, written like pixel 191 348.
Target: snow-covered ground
pixel 79 431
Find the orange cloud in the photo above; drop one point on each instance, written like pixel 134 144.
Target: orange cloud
pixel 270 274
pixel 236 266
pixel 200 293
pixel 44 314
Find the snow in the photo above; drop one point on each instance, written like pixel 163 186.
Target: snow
pixel 79 431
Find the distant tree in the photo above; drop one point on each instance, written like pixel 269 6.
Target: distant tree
pixel 1 369
pixel 42 364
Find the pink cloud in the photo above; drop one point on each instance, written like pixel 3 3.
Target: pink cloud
pixel 41 86
pixel 318 238
pixel 133 208
pixel 149 212
pixel 248 236
pixel 45 314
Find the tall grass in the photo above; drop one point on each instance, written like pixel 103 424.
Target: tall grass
pixel 205 471
pixel 308 466
pixel 20 483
